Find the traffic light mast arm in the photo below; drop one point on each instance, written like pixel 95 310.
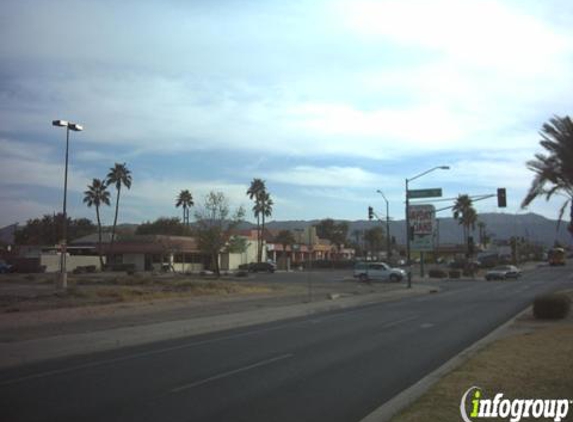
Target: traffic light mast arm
pixel 474 198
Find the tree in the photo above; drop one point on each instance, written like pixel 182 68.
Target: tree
pixel 264 209
pixel 375 238
pixel 185 200
pixel 119 175
pixel 214 224
pixel 554 170
pixel 48 229
pixel 333 231
pixel 285 238
pixel 254 192
pixel 465 214
pixel 170 226
pixel 97 195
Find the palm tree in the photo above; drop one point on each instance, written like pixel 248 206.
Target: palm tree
pixel 554 170
pixel 285 238
pixel 185 200
pixel 266 210
pixel 465 214
pixel 119 175
pixel 254 193
pixel 97 195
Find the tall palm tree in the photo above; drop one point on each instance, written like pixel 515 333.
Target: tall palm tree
pixel 185 200
pixel 266 210
pixel 254 192
pixel 97 195
pixel 465 214
pixel 119 175
pixel 554 170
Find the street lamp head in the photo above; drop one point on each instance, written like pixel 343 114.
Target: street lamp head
pixel 75 127
pixel 444 167
pixel 61 123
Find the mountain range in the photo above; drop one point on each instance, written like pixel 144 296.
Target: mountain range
pixel 499 226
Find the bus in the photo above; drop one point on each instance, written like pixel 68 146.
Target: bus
pixel 556 256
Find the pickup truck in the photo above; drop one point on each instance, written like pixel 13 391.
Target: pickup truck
pixel 379 271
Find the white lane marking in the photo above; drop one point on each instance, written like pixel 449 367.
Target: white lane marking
pixel 338 315
pixel 427 325
pixel 399 321
pixel 140 355
pixel 230 373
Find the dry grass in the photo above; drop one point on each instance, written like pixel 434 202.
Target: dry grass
pixel 85 292
pixel 537 364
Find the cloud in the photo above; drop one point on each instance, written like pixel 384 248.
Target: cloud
pixel 30 164
pixel 330 176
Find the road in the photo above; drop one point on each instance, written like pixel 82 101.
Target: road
pixel 338 366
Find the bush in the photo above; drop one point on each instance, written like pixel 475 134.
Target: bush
pixel 122 267
pixel 551 306
pixel 437 273
pixel 454 274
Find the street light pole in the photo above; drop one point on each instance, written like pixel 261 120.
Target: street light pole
pixel 408 228
pixel 63 264
pixel 387 224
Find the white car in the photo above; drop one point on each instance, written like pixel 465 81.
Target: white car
pixel 378 271
pixel 503 272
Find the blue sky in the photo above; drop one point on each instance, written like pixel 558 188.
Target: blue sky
pixel 327 101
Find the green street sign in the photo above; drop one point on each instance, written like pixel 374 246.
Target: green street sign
pixel 425 193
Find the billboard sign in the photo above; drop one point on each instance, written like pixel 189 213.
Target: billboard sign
pixel 422 219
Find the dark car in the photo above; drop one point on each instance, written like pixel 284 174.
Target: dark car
pixel 5 267
pixel 261 267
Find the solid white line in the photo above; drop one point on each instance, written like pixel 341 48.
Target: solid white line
pixel 233 372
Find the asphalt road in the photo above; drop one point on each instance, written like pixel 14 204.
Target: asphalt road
pixel 331 367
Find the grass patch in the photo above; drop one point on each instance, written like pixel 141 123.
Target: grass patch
pixel 532 365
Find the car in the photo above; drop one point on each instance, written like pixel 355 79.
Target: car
pixel 371 271
pixel 5 267
pixel 257 267
pixel 503 272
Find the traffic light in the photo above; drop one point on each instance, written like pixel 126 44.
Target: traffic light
pixel 370 213
pixel 501 199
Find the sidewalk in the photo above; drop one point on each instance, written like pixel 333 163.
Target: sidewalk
pixel 32 342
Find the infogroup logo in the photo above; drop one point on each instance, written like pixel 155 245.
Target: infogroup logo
pixel 514 409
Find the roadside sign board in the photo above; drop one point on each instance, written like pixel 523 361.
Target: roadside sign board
pixel 422 243
pixel 422 218
pixel 425 193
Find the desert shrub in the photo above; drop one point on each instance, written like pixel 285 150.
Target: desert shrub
pixel 437 273
pixel 454 274
pixel 551 306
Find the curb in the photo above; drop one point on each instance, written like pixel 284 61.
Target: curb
pixel 36 350
pixel 388 410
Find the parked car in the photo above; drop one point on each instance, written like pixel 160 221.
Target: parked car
pixel 5 267
pixel 503 272
pixel 257 267
pixel 367 271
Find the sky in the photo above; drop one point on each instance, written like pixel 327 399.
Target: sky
pixel 327 101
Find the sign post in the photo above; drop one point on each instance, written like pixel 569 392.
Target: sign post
pixel 422 220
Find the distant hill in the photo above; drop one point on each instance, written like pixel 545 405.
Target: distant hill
pixel 499 226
